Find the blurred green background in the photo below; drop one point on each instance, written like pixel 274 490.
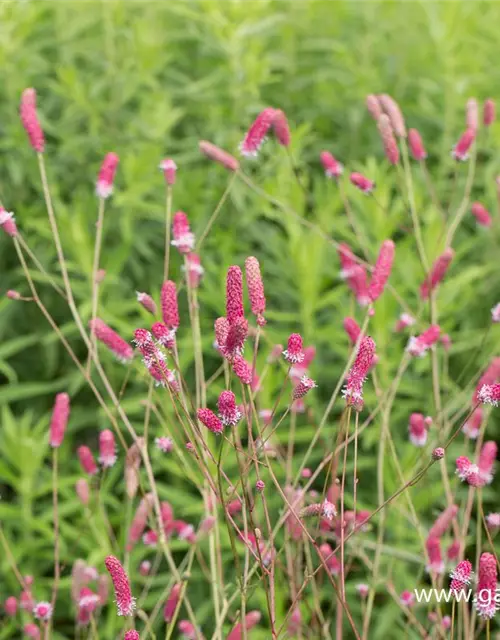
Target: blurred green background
pixel 148 80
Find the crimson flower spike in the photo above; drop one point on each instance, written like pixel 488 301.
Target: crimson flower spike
pixel 234 295
pixel 461 150
pixel 485 600
pixel 333 168
pixel 124 601
pixel 29 118
pixel 388 140
pixel 257 133
pixel 416 145
pixel 169 307
pixel 437 273
pixel 255 288
pixel 353 391
pixel 481 214
pixel 59 422
pixel 106 177
pixel 382 270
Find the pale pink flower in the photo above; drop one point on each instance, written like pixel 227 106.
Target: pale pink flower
pixel 7 222
pixel 257 133
pixel 472 114
pixel 184 239
pixel 363 589
pixel 294 353
pixel 443 522
pixel 407 598
pixel 358 283
pixel 485 599
pixel 83 491
pixel 333 168
pixel 493 520
pixel 146 301
pixel 187 630
pixel 388 140
pixel 194 270
pixel 433 547
pixel 417 148
pixel 495 313
pixel 373 106
pixel 139 521
pixel 417 430
pixel 489 394
pixel 42 611
pixel 255 288
pixel 216 154
pixel 260 485
pixel 405 320
pixel 486 461
pixel 331 561
pixel 145 567
pixel 490 376
pixel 304 386
pixel 438 453
pixel 229 413
pixel 461 576
pixel 488 112
pixel 164 444
pixel 419 345
pixel 461 150
pixel 391 108
pixel 10 606
pixel 31 630
pixel 251 620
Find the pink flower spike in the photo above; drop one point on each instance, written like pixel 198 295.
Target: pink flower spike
pixel 256 135
pixel 353 391
pixel 194 270
pixel 107 448
pixel 453 550
pixel 234 295
pixel 117 345
pixel 251 620
pixel 210 420
pixel 358 283
pixel 461 576
pixel 488 112
pixel 388 140
pixel 331 561
pixel 461 150
pixel 485 600
pixel 187 629
pixel 29 118
pixel 304 386
pixel 437 273
pixel 418 346
pixel 281 128
pixel 169 169
pixel 169 308
pixel 360 182
pixel 473 424
pixel 172 602
pixel 164 335
pixel 31 630
pixel 433 547
pixel 481 214
pixel 405 320
pixel 391 108
pixel 221 329
pixel 294 622
pixel 59 422
pixel 124 601
pixel 242 370
pixel 382 270
pixel 417 429
pixel 216 154
pixel 294 353
pixel 406 598
pixel 7 222
pixel 10 606
pixel 184 239
pixel 87 461
pixel 106 177
pixel 443 522
pixel 42 611
pixel 131 634
pixel 333 168
pixel 260 485
pixel 255 288
pixel 438 453
pixel 164 444
pixel 352 328
pixel 147 302
pixel 235 340
pixel 83 491
pixel 347 260
pixel 472 114
pixel 229 413
pixel 495 313
pixel 373 106
pixel 489 377
pixel 417 148
pixel 13 295
pixel 486 461
pixel 489 394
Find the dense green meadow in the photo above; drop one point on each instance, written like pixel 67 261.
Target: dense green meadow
pixel 148 80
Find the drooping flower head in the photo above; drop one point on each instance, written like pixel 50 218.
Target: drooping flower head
pixel 106 177
pixel 42 611
pixel 124 601
pixel 481 214
pixel 218 155
pixel 353 391
pixel 373 106
pixel 146 301
pixel 210 421
pixel 117 345
pixel 242 369
pixel 461 150
pixel 437 273
pixel 169 169
pixel 485 603
pixel 333 168
pixel 164 335
pixel 362 183
pixel 10 606
pixel 382 270
pixel 59 421
pixel 486 461
pixel 388 140
pixel 184 239
pixel 229 413
pixel 281 128
pixel 234 294
pixel 29 118
pixel 169 307
pixel 257 133
pixel 107 448
pixel 255 288
pixel 294 353
pixel 405 320
pixel 472 114
pixel 417 148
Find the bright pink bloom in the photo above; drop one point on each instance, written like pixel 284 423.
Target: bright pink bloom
pixel 172 602
pixel 260 485
pixel 373 106
pixel 332 562
pixel 469 472
pixel 333 168
pixel 83 491
pixel 486 461
pixel 493 520
pixel 495 313
pixel 59 421
pixel 453 550
pixel 281 128
pixel 87 461
pixel 382 270
pixel 210 420
pixel 229 413
pixel 362 183
pixel 461 149
pixel 218 155
pixel 10 606
pixel 164 335
pixel 472 114
pixel 124 601
pixel 30 121
pixel 117 345
pixel 443 522
pixel 106 177
pixel 293 353
pixel 391 108
pixel 304 386
pixel 433 547
pixel 148 349
pixel 164 444
pixel 147 302
pixel 194 270
pixel 353 391
pixel 234 294
pixel 7 222
pixel 347 260
pixel 419 345
pixel 169 169
pixel 405 320
pixel 485 602
pixel 251 619
pixel 490 376
pixel 131 634
pixel 489 394
pixel 88 600
pixel 31 630
pixel 388 140
pixel 256 135
pixel 26 601
pixel 187 629
pixel 406 598
pixel 481 214
pixel 235 340
pixel 107 449
pixel 242 370
pixel 352 328
pixel 150 539
pixel 488 112
pixel 42 611
pixel 438 453
pixel 416 145
pixel 145 567
pixel 460 576
pixel 255 288
pixel 437 273
pixel 169 307
pixel 473 424
pixel 221 328
pixel 418 430
pixel 183 237
pixel 358 283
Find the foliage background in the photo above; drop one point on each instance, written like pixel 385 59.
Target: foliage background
pixel 149 79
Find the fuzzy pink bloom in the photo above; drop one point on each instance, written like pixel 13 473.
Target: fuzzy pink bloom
pixel 183 237
pixel 391 108
pixel 210 420
pixel 234 294
pixel 169 307
pixel 473 424
pixel 469 472
pixel 353 391
pixel 293 353
pixel 59 421
pixel 87 461
pixel 453 550
pixel 461 150
pixel 362 183
pixel 417 148
pixel 332 562
pixel 131 634
pixel 235 340
pixel 472 114
pixel 242 370
pixel 145 568
pixel 417 430
pixel 10 606
pixel 260 485
pixel 216 154
pixel 493 520
pixel 83 491
pixel 255 288
pixel 333 168
pixel 107 449
pixel 256 135
pixel 304 386
pixel 485 602
pixel 490 376
pixel 443 522
pixel 172 602
pixel 488 112
pixel 489 394
pixel 147 347
pixel 124 601
pixel 29 118
pixel 7 222
pixel 486 461
pixel 281 128
pixel 229 413
pixel 31 630
pixel 324 509
pixel 100 275
pixel 438 453
pixel 495 313
pixel 117 345
pixel 352 328
pixel 42 611
pixel 437 273
pixel 406 598
pixel 187 629
pixel 382 270
pixel 481 214
pixel 405 320
pixel 358 283
pixel 194 270
pixel 433 547
pixel 221 328
pixel 294 622
pixel 147 302
pixel 460 576
pixel 388 140
pixel 106 177
pixel 88 600
pixel 164 444
pixel 251 619
pixel 419 345
pixel 373 106
pixel 347 260
pixel 164 335
pixel 169 169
